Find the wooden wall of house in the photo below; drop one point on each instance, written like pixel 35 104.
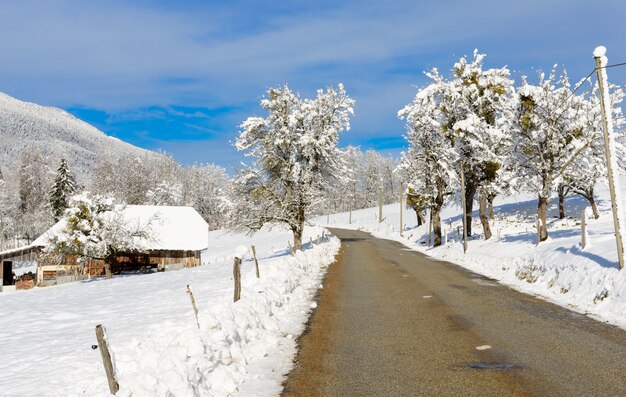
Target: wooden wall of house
pixel 159 259
pixel 21 255
pixel 18 255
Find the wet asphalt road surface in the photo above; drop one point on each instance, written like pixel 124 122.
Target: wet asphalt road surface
pixel 393 322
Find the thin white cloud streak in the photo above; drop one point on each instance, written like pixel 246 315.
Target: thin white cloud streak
pixel 115 56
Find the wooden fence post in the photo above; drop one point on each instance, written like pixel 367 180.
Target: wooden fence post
pixel 193 304
pixel 256 262
pixel 538 232
pixel 430 227
pixel 290 248
pixel 101 336
pixel 237 278
pixel 583 227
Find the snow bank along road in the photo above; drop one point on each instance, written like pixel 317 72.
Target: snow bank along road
pixel 393 322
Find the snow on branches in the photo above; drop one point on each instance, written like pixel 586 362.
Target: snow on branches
pixel 94 227
pixel 554 129
pixel 461 122
pixel 296 157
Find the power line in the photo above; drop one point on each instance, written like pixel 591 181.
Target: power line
pixel 614 65
pixel 574 91
pixel 583 82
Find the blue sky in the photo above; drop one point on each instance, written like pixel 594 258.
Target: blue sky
pixel 181 76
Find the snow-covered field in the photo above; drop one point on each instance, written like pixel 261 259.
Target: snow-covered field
pixel 586 280
pixel 46 334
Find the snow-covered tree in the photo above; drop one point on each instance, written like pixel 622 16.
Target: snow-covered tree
pixel 33 181
pixel 549 136
pixel 429 165
pixel 165 194
pixel 418 203
pixel 63 188
pixel 205 187
pixel 96 228
pixel 6 212
pixel 590 167
pixel 296 156
pixel 477 106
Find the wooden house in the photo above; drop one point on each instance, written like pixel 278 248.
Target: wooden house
pixel 177 236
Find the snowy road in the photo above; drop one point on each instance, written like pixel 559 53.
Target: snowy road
pixel 391 322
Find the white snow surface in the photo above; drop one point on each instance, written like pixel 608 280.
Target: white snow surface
pixel 241 349
pixel 558 270
pixel 170 227
pixel 56 134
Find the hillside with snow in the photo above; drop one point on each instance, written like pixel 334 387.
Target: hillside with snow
pixel 240 349
pixel 584 279
pixel 55 133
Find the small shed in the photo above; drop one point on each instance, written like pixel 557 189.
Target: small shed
pixel 13 258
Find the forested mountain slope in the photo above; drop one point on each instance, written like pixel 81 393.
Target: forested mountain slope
pixel 55 133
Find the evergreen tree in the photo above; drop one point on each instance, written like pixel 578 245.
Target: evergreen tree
pixel 63 188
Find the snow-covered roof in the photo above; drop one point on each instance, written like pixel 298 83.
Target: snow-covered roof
pixel 171 228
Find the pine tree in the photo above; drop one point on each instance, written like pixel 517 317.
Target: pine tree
pixel 63 188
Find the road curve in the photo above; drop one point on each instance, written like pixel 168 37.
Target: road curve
pixel 393 322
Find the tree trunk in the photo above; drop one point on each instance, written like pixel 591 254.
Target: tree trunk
pixel 592 201
pixel 562 193
pixel 420 217
pixel 297 238
pixel 436 222
pixel 594 207
pixel 298 230
pixel 542 209
pixel 490 198
pixel 470 192
pixel 484 220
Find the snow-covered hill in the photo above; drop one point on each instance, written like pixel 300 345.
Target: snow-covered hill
pixel 55 133
pixel 586 280
pixel 237 349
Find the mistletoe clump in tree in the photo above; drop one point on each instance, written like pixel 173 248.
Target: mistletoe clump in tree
pixel 477 105
pixel 550 135
pixel 590 167
pixel 96 228
pixel 429 165
pixel 63 188
pixel 296 158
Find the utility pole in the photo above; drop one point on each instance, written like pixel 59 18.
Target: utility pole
pixel 401 204
pixel 380 203
pixel 350 218
pixel 464 207
pixel 609 148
